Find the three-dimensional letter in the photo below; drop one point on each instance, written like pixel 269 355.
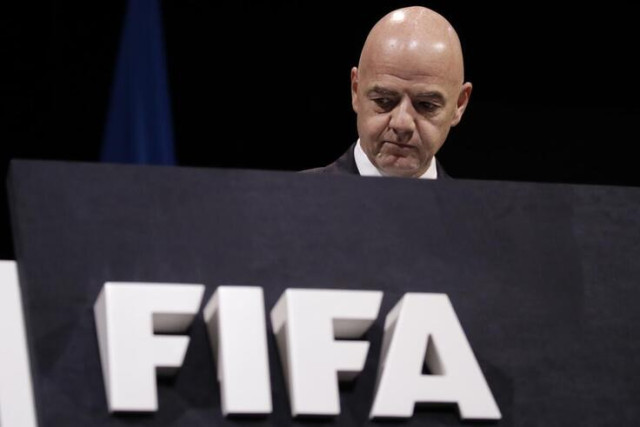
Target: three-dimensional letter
pixel 235 318
pixel 16 393
pixel 306 323
pixel 127 315
pixel 423 328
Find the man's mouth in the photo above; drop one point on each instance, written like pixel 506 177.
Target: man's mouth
pixel 399 144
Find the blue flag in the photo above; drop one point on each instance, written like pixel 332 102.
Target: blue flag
pixel 138 128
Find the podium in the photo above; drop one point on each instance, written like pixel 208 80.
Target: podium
pixel 544 278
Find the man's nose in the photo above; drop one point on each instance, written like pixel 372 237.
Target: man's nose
pixel 402 121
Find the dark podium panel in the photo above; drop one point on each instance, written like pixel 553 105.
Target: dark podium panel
pixel 545 280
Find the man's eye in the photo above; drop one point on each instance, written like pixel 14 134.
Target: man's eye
pixel 427 107
pixel 383 102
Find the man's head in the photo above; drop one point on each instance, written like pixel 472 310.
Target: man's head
pixel 408 90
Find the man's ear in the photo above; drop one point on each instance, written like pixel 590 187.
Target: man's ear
pixel 354 89
pixel 463 101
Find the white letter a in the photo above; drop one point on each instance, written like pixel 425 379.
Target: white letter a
pixel 423 328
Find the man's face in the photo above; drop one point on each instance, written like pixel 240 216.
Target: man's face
pixel 405 110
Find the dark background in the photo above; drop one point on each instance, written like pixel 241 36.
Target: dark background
pixel 265 85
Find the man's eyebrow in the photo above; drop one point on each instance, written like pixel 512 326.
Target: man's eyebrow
pixel 378 90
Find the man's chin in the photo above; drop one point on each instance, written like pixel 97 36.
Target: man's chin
pixel 400 168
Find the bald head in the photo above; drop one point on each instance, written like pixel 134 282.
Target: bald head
pixel 408 90
pixel 419 34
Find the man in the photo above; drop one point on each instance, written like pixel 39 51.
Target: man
pixel 407 92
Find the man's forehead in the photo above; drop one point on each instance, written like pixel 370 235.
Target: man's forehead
pixel 410 56
pixel 421 85
pixel 412 67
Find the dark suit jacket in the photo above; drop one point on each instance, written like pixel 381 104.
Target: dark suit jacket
pixel 346 165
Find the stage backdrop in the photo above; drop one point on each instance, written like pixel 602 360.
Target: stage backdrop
pixel 544 279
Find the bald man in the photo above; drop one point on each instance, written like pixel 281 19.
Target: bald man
pixel 407 91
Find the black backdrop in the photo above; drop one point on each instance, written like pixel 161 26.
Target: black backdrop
pixel 265 85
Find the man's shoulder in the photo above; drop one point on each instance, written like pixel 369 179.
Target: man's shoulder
pixel 321 169
pixel 344 165
pixel 442 174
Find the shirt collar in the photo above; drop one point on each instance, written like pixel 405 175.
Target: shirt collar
pixel 366 168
